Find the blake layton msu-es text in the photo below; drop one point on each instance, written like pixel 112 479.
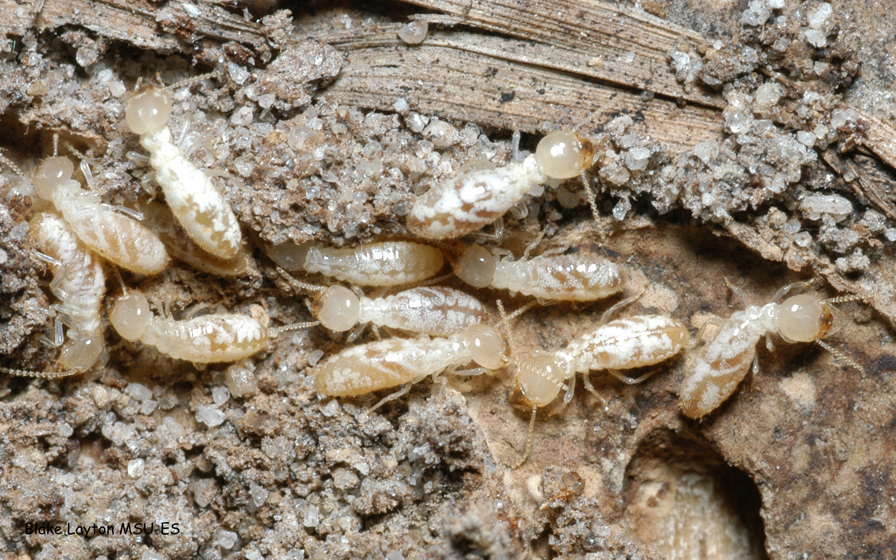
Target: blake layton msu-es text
pixel 46 528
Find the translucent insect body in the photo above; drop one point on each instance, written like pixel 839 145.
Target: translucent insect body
pixel 116 237
pixel 575 277
pixel 198 206
pixel 723 363
pixel 469 201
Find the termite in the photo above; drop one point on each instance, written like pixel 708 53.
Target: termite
pixel 198 206
pixel 434 311
pixel 629 343
pixel 389 363
pixel 116 237
pixel 209 339
pixel 159 219
pixel 384 263
pixel 472 200
pixel 723 363
pixel 80 284
pixel 575 277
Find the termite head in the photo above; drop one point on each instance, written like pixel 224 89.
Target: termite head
pixel 148 110
pixel 804 318
pixel 476 266
pixel 51 173
pixel 130 315
pixel 539 380
pixel 564 154
pixel 290 255
pixel 81 351
pixel 486 345
pixel 337 308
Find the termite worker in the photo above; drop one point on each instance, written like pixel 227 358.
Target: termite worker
pixel 384 263
pixel 472 200
pixel 723 363
pixel 209 339
pixel 629 343
pixel 194 200
pixel 575 277
pixel 80 284
pixel 389 363
pixel 159 219
pixel 116 237
pixel 435 311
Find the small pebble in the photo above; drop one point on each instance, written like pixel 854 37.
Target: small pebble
pixel 414 32
pixel 136 468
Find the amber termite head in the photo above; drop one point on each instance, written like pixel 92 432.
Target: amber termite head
pixel 52 172
pixel 539 380
pixel 804 318
pixel 564 154
pixel 130 315
pixel 337 308
pixel 148 110
pixel 486 345
pixel 476 266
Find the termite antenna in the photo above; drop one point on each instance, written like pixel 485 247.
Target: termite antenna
pixel 294 327
pixel 303 287
pixel 15 168
pixel 841 355
pixel 55 144
pixel 528 448
pixel 433 281
pixel 844 299
pixel 38 374
pixel 190 81
pixel 504 325
pixel 592 199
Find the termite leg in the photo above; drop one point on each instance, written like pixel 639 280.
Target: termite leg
pixel 608 314
pixel 397 394
pixel 632 380
pixel 590 388
pixel 784 291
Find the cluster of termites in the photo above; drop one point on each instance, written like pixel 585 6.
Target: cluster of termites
pixel 450 330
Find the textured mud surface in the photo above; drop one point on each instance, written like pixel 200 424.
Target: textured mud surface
pixel 778 183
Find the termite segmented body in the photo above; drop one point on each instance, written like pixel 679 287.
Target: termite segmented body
pixel 180 246
pixel 628 343
pixel 723 363
pixel 385 263
pixel 472 200
pixel 116 237
pixel 80 284
pixel 388 363
pixel 435 311
pixel 194 200
pixel 213 338
pixel 577 277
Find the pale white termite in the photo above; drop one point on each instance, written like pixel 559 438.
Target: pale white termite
pixel 196 203
pixel 389 363
pixel 212 338
pixel 384 263
pixel 629 343
pixel 723 363
pixel 472 200
pixel 575 277
pixel 161 221
pixel 80 284
pixel 116 237
pixel 434 311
